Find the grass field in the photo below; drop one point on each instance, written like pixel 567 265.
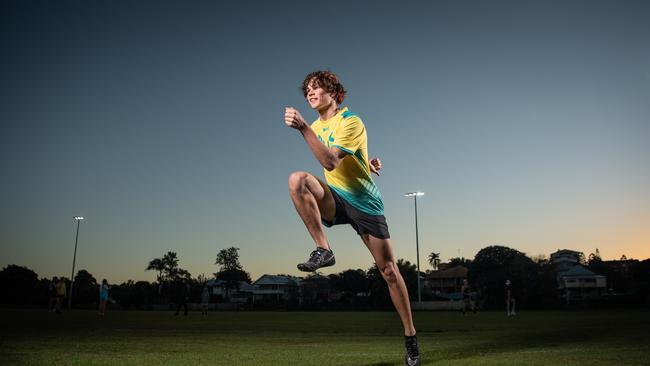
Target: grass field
pixel 31 337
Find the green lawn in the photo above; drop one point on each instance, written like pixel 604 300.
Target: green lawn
pixel 32 337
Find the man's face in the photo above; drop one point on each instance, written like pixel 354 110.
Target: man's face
pixel 317 97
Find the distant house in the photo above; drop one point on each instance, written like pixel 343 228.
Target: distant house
pixel 579 283
pixel 576 283
pixel 243 293
pixel 446 281
pixel 276 289
pixel 217 287
pixel 565 259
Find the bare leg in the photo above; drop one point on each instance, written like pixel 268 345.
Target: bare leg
pixel 313 200
pixel 382 252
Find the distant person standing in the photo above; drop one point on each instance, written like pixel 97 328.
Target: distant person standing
pixel 510 300
pixel 103 297
pixel 468 304
pixel 51 292
pixel 183 296
pixel 61 292
pixel 205 300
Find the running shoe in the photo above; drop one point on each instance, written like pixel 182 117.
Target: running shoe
pixel 317 259
pixel 412 357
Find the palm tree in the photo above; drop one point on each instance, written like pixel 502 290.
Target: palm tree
pixel 170 261
pixel 156 264
pixel 434 260
pixel 167 267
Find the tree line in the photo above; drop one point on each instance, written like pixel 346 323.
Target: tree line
pixel 534 279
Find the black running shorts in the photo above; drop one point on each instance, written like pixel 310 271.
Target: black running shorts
pixel 362 222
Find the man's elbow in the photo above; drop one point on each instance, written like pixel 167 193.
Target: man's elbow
pixel 331 164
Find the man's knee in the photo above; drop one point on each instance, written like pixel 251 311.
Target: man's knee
pixel 298 182
pixel 390 273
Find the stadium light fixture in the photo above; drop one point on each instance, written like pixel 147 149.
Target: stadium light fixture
pixel 74 259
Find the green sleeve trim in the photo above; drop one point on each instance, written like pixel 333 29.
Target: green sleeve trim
pixel 344 149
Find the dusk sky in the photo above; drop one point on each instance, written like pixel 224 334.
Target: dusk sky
pixel 526 124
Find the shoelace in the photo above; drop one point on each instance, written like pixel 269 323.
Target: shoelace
pixel 315 257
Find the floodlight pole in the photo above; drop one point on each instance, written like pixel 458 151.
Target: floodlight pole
pixel 417 244
pixel 74 260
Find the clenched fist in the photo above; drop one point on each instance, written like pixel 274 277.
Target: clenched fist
pixel 375 165
pixel 294 119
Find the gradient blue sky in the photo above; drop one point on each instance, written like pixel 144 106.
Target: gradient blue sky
pixel 525 122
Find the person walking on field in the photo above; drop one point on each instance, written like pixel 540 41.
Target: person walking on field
pixel 61 292
pixel 510 300
pixel 468 304
pixel 183 296
pixel 51 290
pixel 103 297
pixel 205 300
pixel 339 142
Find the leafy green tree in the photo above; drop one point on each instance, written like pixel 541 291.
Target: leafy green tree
pixel 169 273
pixel 157 264
pixel 167 267
pixel 541 259
pixel 228 259
pixel 230 269
pixel 350 282
pixel 172 271
pixel 495 264
pixel 86 289
pixel 547 289
pixel 460 261
pixel 18 285
pixel 594 257
pixel 595 264
pixel 135 295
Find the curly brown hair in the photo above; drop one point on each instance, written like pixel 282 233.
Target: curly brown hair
pixel 326 80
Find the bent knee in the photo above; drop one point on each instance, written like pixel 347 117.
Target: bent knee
pixel 390 273
pixel 297 181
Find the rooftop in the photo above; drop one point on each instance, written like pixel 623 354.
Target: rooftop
pixel 453 272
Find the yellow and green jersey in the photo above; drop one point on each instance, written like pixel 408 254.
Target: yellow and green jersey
pixel 351 179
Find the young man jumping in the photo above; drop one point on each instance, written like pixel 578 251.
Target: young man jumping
pixel 339 142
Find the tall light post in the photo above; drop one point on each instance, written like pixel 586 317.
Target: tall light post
pixel 74 259
pixel 417 244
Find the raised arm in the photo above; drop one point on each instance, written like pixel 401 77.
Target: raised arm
pixel 330 157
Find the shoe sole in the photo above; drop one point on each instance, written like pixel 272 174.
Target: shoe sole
pixel 302 266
